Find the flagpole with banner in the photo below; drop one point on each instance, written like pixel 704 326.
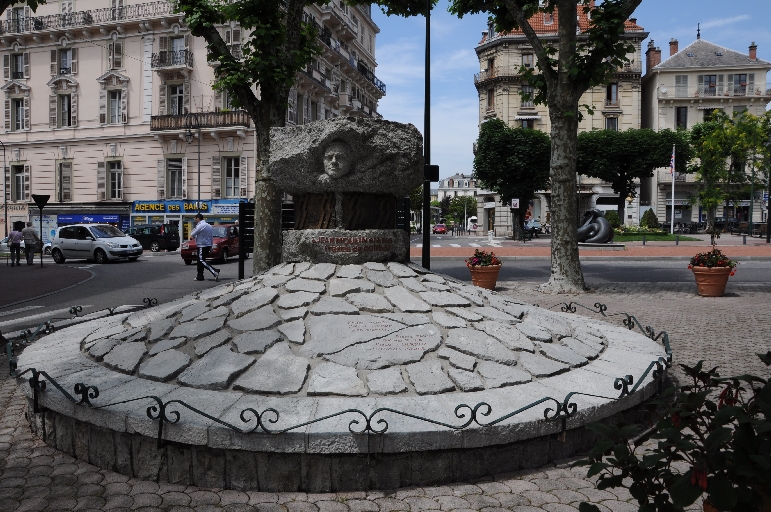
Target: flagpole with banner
pixel 672 172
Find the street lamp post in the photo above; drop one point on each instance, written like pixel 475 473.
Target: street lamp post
pixel 5 189
pixel 196 123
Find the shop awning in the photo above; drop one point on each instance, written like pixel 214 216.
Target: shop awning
pixel 526 117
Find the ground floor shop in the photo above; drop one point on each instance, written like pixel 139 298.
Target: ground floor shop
pixel 182 213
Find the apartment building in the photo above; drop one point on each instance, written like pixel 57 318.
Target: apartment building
pixel 107 102
pixel 457 185
pixel 616 106
pixel 686 89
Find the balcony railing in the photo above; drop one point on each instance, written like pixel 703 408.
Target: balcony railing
pixel 179 58
pixel 220 119
pixel 666 177
pixel 65 71
pixel 17 75
pixel 516 70
pixel 715 91
pixel 369 75
pixel 86 18
pixel 612 103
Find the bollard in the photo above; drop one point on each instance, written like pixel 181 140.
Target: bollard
pixel 677 239
pixel 744 239
pixel 643 239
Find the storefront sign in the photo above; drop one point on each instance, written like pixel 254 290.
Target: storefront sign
pixel 738 203
pixel 155 207
pixel 678 202
pixel 88 218
pixel 224 209
pixel 49 227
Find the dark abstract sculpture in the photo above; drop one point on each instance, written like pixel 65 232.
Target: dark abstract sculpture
pixel 595 228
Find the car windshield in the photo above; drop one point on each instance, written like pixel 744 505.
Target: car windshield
pixel 441 226
pixel 106 231
pixel 219 231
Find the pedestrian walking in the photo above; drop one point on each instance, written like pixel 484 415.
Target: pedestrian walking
pixel 202 234
pixel 31 241
pixel 14 243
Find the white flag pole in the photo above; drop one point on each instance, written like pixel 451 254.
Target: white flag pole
pixel 672 171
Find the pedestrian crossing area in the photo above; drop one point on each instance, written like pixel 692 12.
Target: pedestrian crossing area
pixel 494 244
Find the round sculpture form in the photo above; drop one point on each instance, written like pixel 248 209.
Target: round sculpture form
pixel 324 377
pixel 595 228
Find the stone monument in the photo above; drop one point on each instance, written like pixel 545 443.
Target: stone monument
pixel 345 176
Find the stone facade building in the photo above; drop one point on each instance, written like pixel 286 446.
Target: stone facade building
pixel 683 91
pixel 457 185
pixel 99 95
pixel 616 106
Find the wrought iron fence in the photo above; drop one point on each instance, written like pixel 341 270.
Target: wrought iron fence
pixel 218 119
pixel 376 422
pixel 172 58
pixel 86 18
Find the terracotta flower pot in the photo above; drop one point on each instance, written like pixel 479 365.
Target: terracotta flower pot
pixel 711 281
pixel 484 277
pixel 708 507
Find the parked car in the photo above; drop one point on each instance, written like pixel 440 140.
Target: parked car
pixel 224 245
pixel 534 226
pixel 156 237
pixel 100 242
pixel 439 229
pixel 4 247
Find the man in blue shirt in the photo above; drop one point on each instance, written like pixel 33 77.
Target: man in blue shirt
pixel 202 234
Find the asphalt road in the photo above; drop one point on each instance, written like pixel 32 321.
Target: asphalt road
pixel 165 277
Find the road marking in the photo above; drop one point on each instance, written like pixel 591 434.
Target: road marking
pixel 419 246
pixel 436 246
pixel 454 245
pixel 47 315
pixel 14 311
pixel 475 245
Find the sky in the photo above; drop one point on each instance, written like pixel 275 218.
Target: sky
pixel 400 54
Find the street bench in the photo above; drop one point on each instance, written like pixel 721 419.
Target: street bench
pixel 525 236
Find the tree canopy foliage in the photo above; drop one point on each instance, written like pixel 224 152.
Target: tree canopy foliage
pixel 621 158
pixel 513 162
pixel 462 207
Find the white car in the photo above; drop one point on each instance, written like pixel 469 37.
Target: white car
pixel 99 242
pixel 4 248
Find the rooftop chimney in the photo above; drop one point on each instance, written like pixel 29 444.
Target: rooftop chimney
pixel 633 20
pixel 673 47
pixel 753 51
pixel 652 56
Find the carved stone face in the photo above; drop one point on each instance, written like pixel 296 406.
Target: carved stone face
pixel 337 159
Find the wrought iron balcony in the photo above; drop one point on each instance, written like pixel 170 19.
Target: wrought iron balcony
pixel 369 75
pixel 715 90
pixel 86 18
pixel 65 71
pixel 17 75
pixel 179 58
pixel 219 119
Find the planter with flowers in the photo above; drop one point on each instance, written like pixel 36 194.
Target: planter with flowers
pixel 711 270
pixel 484 268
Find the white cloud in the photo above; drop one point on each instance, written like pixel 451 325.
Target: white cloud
pixel 725 21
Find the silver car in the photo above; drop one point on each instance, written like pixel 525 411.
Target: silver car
pixel 99 242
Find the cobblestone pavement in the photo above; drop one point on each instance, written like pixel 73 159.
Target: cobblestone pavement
pixel 725 331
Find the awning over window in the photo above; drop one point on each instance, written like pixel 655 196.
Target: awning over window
pixel 527 117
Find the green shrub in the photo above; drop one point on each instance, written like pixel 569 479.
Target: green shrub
pixel 612 217
pixel 649 219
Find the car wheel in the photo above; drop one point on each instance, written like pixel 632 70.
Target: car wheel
pixel 58 256
pixel 47 251
pixel 155 246
pixel 188 262
pixel 224 257
pixel 100 256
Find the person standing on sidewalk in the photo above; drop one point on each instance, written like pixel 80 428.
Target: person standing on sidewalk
pixel 202 234
pixel 14 243
pixel 31 241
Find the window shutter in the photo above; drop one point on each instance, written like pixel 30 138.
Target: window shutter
pixel 730 82
pixel 101 181
pixel 25 57
pixel 243 174
pixel 227 37
pixel 187 42
pixel 110 53
pixel 216 177
pixel 218 100
pixel 160 182
pixel 53 104
pixel 26 182
pixel 54 63
pixel 73 109
pixel 751 83
pixel 7 193
pixel 117 56
pixel 26 113
pixel 74 63
pixel 184 178
pixel 124 105
pixel 236 36
pixel 186 97
pixel 163 43
pixel 66 182
pixel 7 66
pixel 7 115
pixel 102 107
pixel 720 85
pixel 162 100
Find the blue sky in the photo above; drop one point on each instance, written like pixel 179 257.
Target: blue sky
pixel 454 104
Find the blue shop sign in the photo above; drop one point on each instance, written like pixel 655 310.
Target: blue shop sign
pixel 87 218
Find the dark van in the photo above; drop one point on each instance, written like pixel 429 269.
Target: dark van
pixel 156 237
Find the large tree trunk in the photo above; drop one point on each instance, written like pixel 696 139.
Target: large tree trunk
pixel 267 200
pixel 566 274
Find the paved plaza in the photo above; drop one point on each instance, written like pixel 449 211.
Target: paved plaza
pixel 726 332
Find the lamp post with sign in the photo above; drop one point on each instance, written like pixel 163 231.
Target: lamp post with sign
pixel 196 123
pixel 41 201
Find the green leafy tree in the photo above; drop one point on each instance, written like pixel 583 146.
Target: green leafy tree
pixel 649 219
pixel 514 162
pixel 577 61
pixel 613 218
pixel 416 203
pixel 728 151
pixel 277 44
pixel 462 207
pixel 444 207
pixel 32 4
pixel 623 158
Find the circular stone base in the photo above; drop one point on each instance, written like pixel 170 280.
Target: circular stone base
pixel 333 377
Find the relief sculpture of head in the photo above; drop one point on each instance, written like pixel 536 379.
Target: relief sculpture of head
pixel 337 160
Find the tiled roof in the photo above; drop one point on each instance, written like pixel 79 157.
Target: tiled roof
pixel 703 54
pixel 546 24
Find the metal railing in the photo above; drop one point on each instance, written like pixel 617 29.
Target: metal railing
pixel 369 75
pixel 517 70
pixel 680 177
pixel 219 119
pixel 86 18
pixel 716 91
pixel 16 75
pixel 375 422
pixel 65 71
pixel 167 59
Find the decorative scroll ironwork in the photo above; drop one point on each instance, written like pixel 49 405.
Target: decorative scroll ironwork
pixel 165 59
pixel 148 302
pixel 75 310
pixel 220 119
pixel 46 327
